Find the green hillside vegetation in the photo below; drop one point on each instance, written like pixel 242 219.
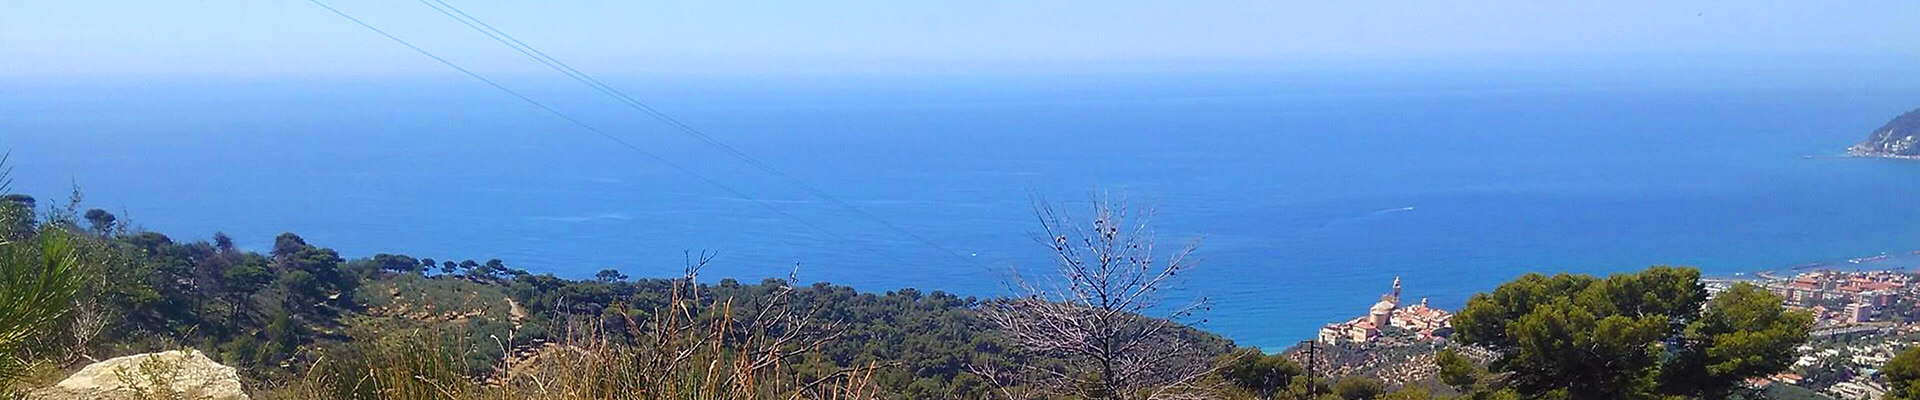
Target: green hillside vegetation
pixel 1903 375
pixel 303 319
pixel 1899 137
pixel 303 322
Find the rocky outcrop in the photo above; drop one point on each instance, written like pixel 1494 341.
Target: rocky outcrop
pixel 1898 138
pixel 184 374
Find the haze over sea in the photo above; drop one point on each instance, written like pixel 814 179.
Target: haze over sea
pixel 1311 193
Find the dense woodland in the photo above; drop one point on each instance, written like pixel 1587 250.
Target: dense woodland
pixel 302 321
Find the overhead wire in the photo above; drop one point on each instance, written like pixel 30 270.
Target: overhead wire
pixel 539 56
pixel 602 133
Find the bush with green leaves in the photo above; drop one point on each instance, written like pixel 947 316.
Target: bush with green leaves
pixel 39 276
pixel 1903 375
pixel 1645 335
pixel 1260 374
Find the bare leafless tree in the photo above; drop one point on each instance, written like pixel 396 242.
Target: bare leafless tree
pixel 1094 313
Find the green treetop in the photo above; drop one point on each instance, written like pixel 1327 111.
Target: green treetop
pixel 1645 335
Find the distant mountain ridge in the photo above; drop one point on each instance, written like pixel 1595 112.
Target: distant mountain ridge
pixel 1898 138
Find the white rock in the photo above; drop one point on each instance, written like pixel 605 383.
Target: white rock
pixel 188 374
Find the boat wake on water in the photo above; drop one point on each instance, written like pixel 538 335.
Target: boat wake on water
pixel 1390 211
pixel 1368 217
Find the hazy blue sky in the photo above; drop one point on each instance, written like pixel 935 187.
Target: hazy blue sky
pixel 273 38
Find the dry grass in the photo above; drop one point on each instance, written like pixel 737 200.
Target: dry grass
pixel 729 354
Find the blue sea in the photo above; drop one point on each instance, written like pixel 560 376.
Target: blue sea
pixel 1310 193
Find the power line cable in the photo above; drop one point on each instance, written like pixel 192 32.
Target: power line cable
pixel 538 56
pixel 602 133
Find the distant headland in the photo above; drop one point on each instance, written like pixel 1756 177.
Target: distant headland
pixel 1899 138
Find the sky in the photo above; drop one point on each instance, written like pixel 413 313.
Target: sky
pixel 88 39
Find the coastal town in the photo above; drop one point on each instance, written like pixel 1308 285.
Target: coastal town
pixel 1392 341
pixel 1837 299
pixel 1863 317
pixel 1424 322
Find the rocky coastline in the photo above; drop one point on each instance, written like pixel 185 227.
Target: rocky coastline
pixel 1898 139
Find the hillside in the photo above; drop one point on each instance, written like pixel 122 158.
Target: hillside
pixel 1898 138
pixel 276 316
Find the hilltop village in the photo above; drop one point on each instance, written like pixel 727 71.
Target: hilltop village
pixel 1392 342
pixel 1426 323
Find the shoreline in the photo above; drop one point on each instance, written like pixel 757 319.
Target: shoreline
pixel 1905 262
pixel 1856 153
